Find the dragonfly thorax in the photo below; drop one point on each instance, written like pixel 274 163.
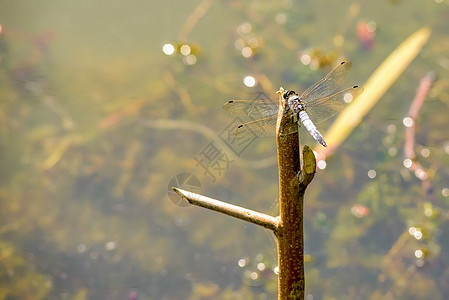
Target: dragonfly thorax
pixel 294 102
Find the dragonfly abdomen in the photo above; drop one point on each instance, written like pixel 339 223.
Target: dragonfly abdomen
pixel 311 128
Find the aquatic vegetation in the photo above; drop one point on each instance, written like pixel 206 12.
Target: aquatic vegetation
pixel 95 120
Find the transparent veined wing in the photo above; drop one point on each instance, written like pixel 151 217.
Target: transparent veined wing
pixel 328 84
pixel 324 108
pixel 255 109
pixel 264 127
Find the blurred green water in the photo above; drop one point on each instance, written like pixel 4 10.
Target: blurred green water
pixel 84 173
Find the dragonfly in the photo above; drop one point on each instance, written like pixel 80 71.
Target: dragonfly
pixel 316 105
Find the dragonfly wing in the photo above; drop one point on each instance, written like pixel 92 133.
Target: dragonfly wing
pixel 264 127
pixel 328 84
pixel 260 128
pixel 255 109
pixel 324 108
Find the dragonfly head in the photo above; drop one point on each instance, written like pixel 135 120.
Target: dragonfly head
pixel 288 94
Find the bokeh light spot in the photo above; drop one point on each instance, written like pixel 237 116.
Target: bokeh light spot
pixel 360 211
pixel 392 151
pixel 249 81
pixel 305 59
pixel 408 122
pixel 445 192
pixel 242 262
pixel 111 245
pixel 347 98
pixel 425 152
pixel 417 235
pixel 168 49
pixel 239 44
pixel 247 52
pixel 407 163
pixel 254 42
pixel 81 248
pixel 371 26
pixel 446 147
pixel 391 129
pixel 190 60
pixel 185 50
pixel 420 263
pixel 245 28
pixel 254 275
pixel 421 174
pixel 321 164
pixel 412 230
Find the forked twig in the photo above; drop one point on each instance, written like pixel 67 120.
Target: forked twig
pixel 288 226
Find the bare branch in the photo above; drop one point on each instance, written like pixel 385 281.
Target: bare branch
pixel 291 198
pixel 235 211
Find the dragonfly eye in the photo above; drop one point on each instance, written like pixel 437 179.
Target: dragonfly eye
pixel 287 94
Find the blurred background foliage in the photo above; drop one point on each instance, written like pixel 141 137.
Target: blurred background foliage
pixel 97 116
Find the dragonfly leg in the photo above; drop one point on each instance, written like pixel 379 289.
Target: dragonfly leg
pixel 295 118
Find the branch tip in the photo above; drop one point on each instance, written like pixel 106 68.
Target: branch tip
pixel 184 194
pixel 235 211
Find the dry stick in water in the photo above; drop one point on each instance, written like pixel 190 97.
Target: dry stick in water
pixel 409 148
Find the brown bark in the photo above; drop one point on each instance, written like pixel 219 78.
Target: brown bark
pixel 292 186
